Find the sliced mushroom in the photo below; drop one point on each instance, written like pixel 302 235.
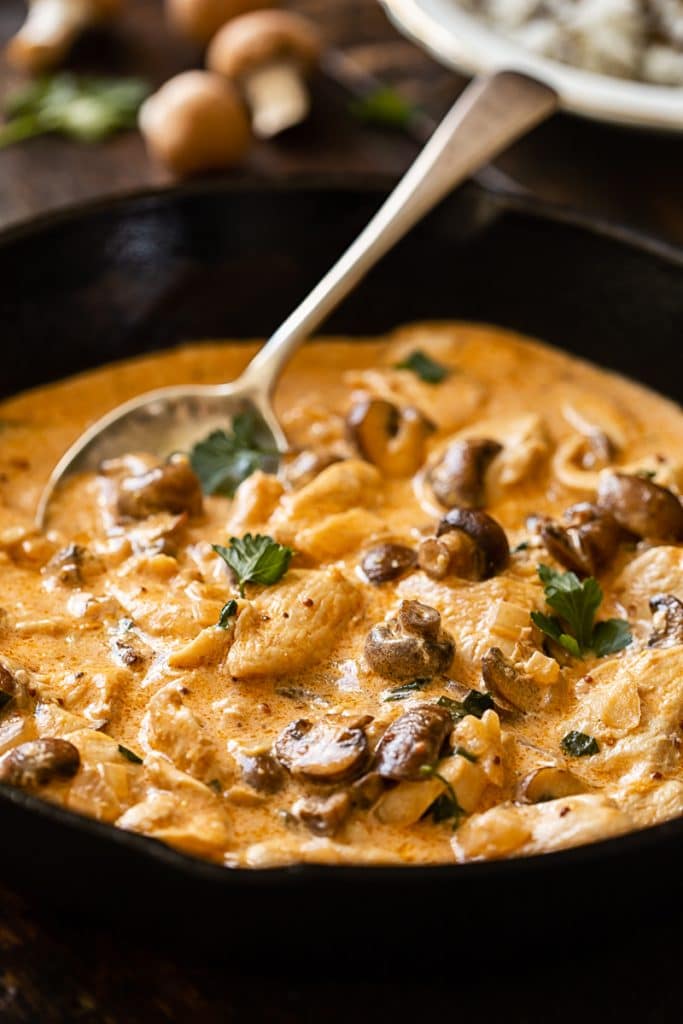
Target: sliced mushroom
pixel 493 550
pixel 505 680
pixel 642 507
pixel 410 646
pixel 72 565
pixel 325 752
pixel 458 477
pixel 415 739
pixel 549 783
pixel 34 764
pixel 172 487
pixel 391 438
pixel 586 542
pixel 667 620
pixel 262 772
pixel 323 815
pixel 305 466
pixel 387 562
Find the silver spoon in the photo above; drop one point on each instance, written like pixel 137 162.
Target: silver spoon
pixel 488 116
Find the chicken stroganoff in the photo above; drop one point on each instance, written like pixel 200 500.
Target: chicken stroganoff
pixel 447 627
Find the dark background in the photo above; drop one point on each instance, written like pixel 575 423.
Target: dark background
pixel 56 968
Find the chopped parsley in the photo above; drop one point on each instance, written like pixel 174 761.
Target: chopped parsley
pixel 384 107
pixel 82 107
pixel 227 612
pixel 405 690
pixel 426 368
pixel 574 628
pixel 129 755
pixel 225 458
pixel 467 754
pixel 522 546
pixel 255 559
pixel 475 703
pixel 579 744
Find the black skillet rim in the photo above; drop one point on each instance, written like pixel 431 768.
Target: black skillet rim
pixel 639 841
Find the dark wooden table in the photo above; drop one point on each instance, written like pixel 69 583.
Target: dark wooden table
pixel 53 969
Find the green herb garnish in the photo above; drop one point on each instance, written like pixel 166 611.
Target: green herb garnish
pixel 384 107
pixel 129 755
pixel 82 107
pixel 227 612
pixel 468 755
pixel 255 559
pixel 225 458
pixel 426 368
pixel 579 744
pixel 405 690
pixel 522 546
pixel 446 806
pixel 574 628
pixel 475 703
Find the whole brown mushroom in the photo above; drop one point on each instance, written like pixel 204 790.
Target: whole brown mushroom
pixel 51 28
pixel 199 20
pixel 269 55
pixel 641 506
pixel 469 543
pixel 195 122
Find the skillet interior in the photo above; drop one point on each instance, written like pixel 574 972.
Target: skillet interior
pixel 147 272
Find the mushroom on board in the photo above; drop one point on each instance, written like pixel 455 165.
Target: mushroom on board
pixel 195 122
pixel 199 20
pixel 51 28
pixel 269 54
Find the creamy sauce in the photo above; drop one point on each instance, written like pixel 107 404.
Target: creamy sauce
pixel 117 644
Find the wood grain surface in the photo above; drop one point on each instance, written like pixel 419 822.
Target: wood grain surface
pixel 54 969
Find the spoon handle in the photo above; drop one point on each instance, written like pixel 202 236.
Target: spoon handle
pixel 488 116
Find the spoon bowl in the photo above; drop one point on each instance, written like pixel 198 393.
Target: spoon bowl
pixel 490 114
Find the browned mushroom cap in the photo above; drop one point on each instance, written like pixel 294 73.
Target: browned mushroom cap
pixel 586 542
pixel 453 554
pixel 642 507
pixel 411 646
pixel 667 620
pixel 458 478
pixel 270 53
pixel 504 680
pixel 413 740
pixel 199 20
pixel 262 772
pixel 485 531
pixel 391 438
pixel 323 815
pixel 8 687
pixel 387 562
pixel 325 752
pixel 195 122
pixel 172 487
pixel 549 783
pixel 38 762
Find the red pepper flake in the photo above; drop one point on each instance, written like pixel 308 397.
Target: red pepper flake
pixel 285 615
pixel 308 602
pixel 588 679
pixel 657 775
pixel 496 759
pixel 265 709
pixel 564 811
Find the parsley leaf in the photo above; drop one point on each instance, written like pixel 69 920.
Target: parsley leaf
pixel 227 612
pixel 468 755
pixel 255 559
pixel 224 459
pixel 579 744
pixel 82 107
pixel 405 690
pixel 574 628
pixel 475 703
pixel 129 755
pixel 426 368
pixel 446 806
pixel 384 107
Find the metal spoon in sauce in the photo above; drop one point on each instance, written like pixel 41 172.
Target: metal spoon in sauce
pixel 488 116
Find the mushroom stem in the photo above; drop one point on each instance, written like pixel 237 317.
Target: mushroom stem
pixel 50 29
pixel 277 96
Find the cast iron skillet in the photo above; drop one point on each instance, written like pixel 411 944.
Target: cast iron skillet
pixel 141 273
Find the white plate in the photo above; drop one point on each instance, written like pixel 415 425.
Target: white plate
pixel 457 39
